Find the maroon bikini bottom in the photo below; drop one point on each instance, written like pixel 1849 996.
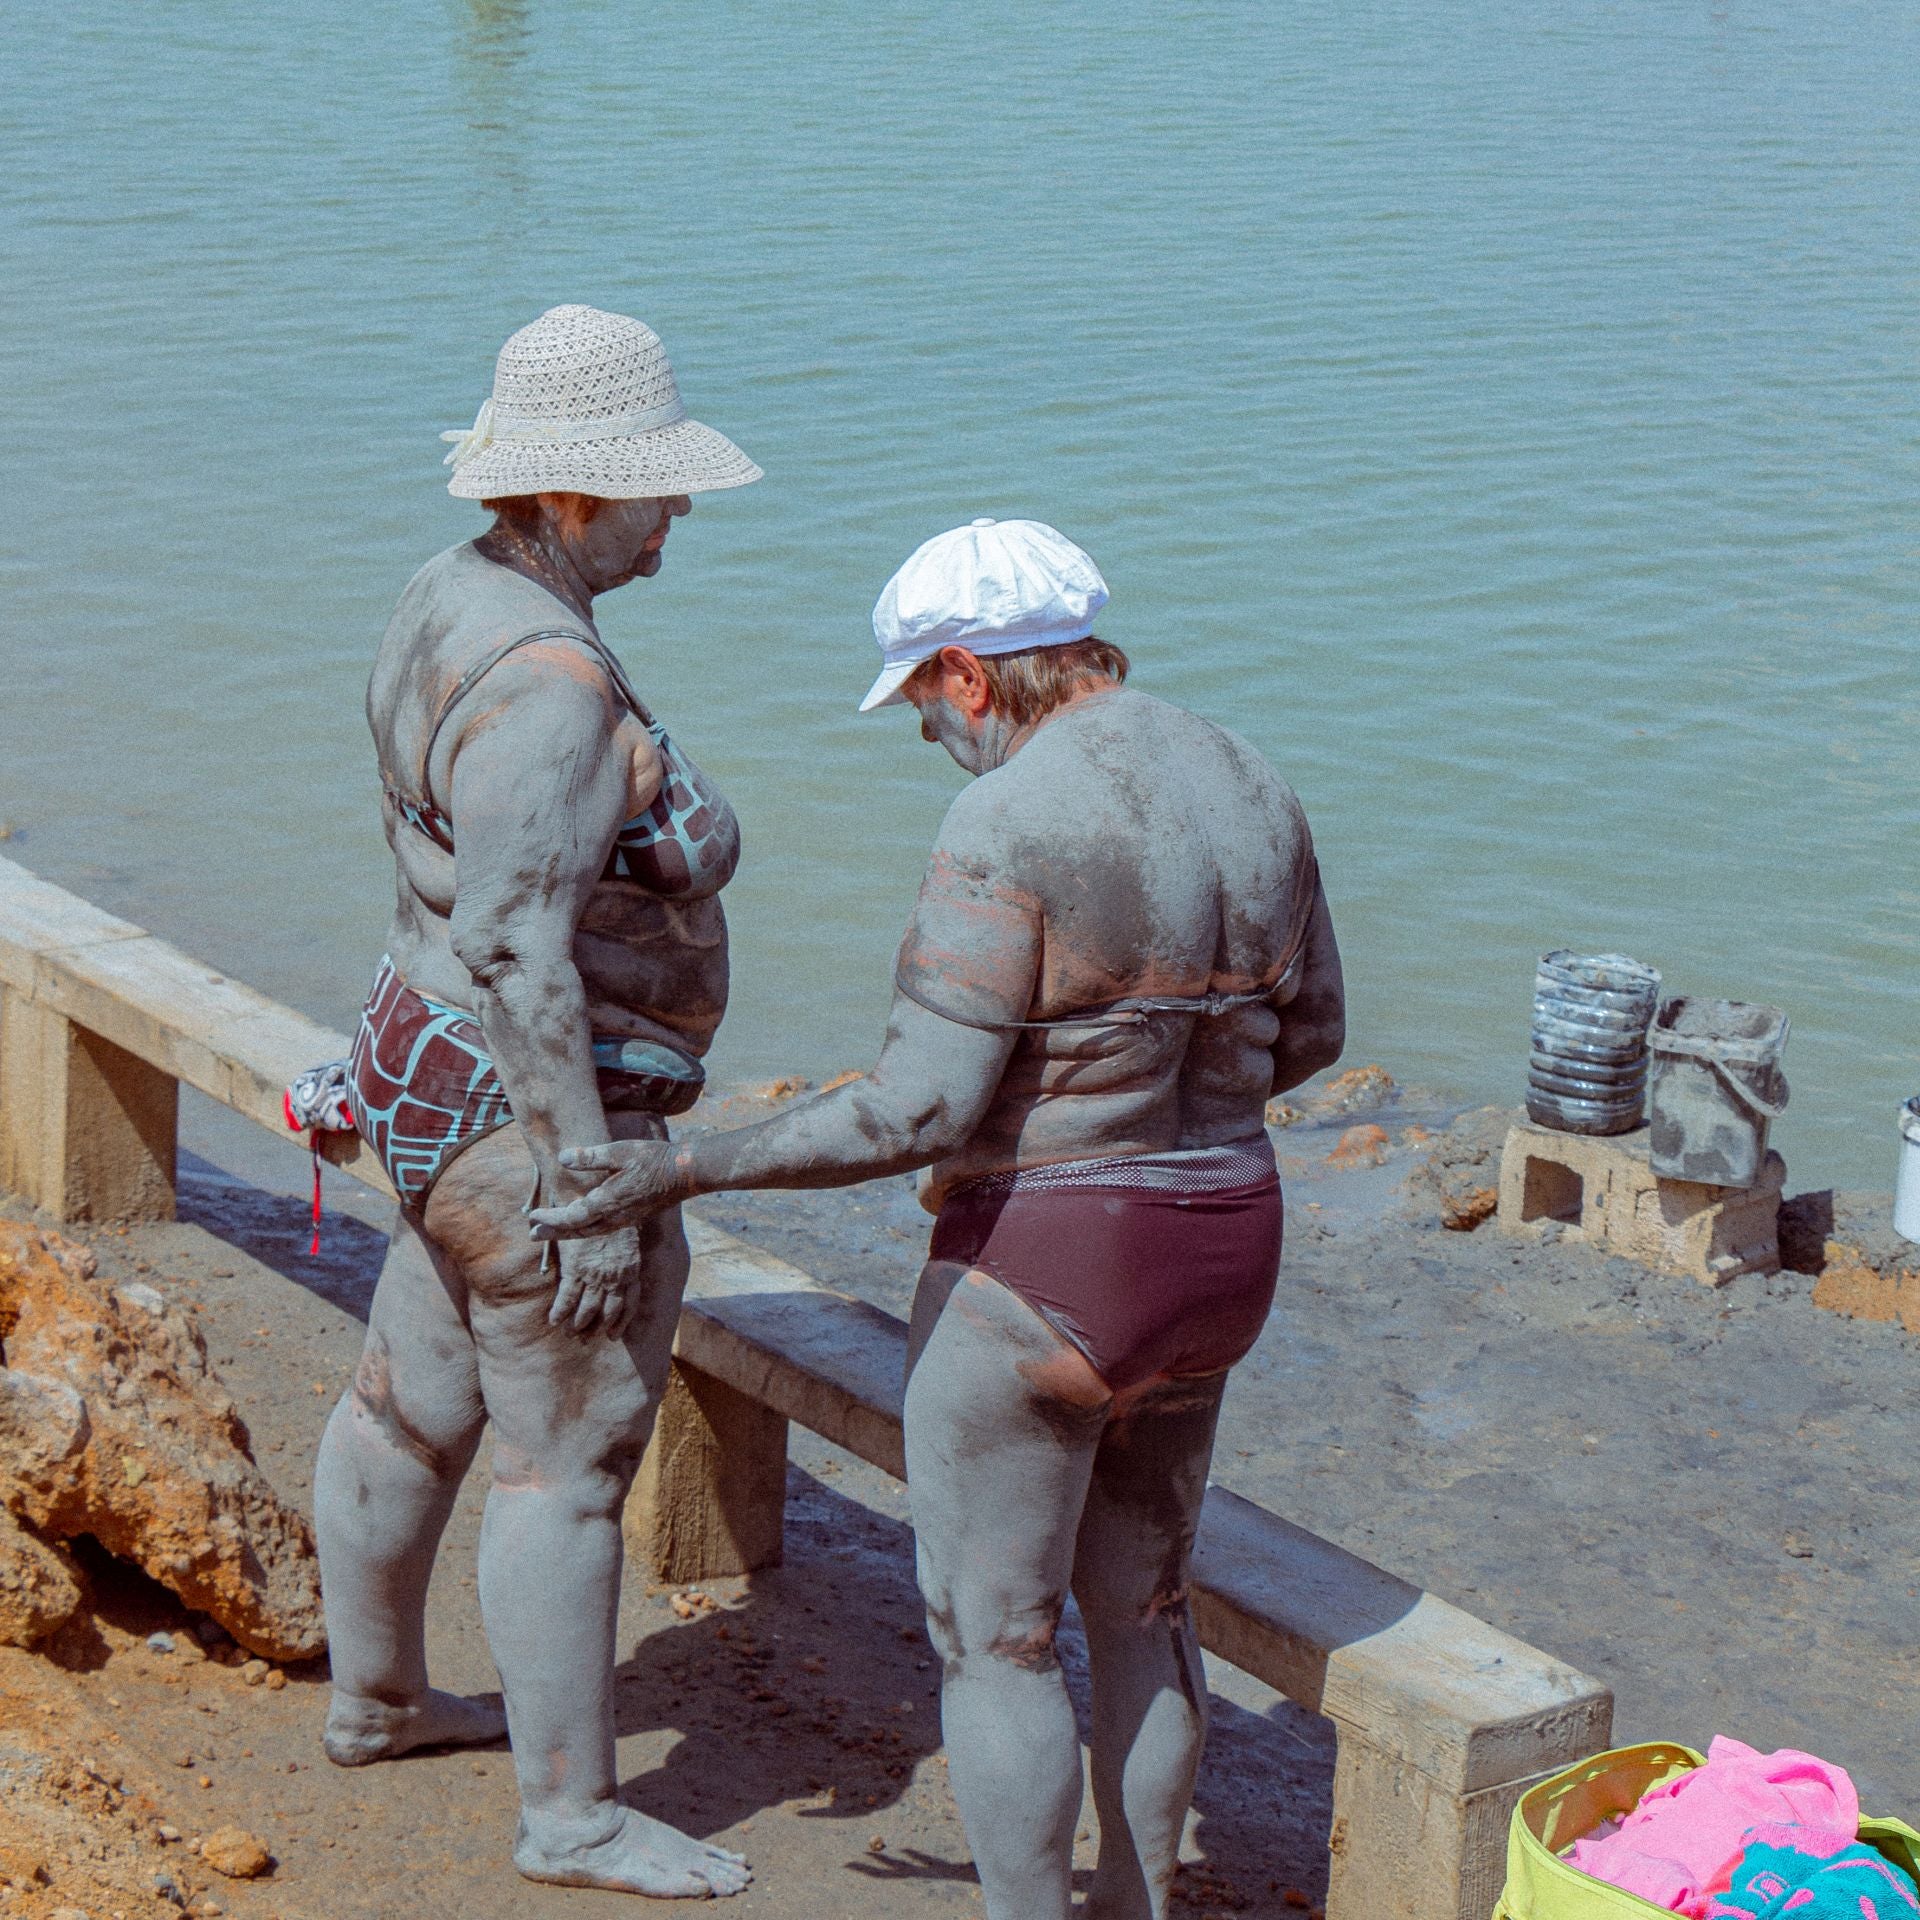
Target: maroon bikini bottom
pixel 1151 1264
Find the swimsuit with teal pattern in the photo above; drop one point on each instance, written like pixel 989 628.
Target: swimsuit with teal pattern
pixel 684 845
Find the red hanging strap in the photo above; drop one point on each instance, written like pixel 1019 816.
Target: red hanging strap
pixel 314 1245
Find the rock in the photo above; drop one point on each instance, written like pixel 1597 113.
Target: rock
pixel 40 1587
pixel 1864 1270
pixel 160 1642
pixel 252 1672
pixel 1460 1179
pixel 275 1681
pixel 198 1516
pixel 1474 1207
pixel 1283 1113
pixel 1358 1087
pixel 1363 1146
pixel 234 1851
pixel 1857 1287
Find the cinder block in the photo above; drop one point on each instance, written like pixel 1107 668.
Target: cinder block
pixel 1605 1192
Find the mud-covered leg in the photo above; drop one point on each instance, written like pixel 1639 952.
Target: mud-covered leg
pixel 1149 1690
pixel 571 1413
pixel 395 1451
pixel 1002 1419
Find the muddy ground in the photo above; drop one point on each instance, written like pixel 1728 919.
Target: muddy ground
pixel 1696 1495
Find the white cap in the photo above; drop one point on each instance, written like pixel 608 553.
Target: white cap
pixel 997 586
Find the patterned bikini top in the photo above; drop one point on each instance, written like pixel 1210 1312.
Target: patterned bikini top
pixel 684 846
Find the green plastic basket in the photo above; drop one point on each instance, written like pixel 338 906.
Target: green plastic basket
pixel 1556 1813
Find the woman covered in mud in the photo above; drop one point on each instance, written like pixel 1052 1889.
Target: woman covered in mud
pixel 556 968
pixel 1120 953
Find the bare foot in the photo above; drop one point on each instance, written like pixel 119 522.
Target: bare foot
pixel 362 1731
pixel 640 1855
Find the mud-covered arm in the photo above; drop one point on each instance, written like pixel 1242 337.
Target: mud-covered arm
pixel 1313 1022
pixel 538 791
pixel 972 950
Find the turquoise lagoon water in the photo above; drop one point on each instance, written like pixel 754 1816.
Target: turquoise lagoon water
pixel 1504 415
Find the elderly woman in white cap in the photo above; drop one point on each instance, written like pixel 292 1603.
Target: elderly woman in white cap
pixel 556 966
pixel 1120 953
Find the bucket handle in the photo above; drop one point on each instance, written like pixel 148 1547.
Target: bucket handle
pixel 1696 1049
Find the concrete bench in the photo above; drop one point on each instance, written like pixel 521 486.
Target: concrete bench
pixel 1441 1721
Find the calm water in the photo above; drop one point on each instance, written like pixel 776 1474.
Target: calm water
pixel 1506 416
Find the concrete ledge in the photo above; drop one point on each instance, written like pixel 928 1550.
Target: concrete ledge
pixel 109 977
pixel 1463 1703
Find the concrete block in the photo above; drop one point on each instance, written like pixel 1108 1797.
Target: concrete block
pixel 87 1130
pixel 1604 1191
pixel 711 1495
pixel 1402 1848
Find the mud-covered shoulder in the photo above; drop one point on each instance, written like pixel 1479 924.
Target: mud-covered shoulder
pixel 455 608
pixel 982 826
pixel 1263 780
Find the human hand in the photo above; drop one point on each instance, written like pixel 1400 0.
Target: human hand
pixel 599 1283
pixel 642 1179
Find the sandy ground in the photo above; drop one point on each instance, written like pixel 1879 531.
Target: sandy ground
pixel 1691 1494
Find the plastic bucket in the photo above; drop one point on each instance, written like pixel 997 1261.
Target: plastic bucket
pixel 1587 1069
pixel 1906 1192
pixel 1716 1086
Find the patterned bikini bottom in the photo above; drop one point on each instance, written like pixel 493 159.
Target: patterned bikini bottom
pixel 422 1086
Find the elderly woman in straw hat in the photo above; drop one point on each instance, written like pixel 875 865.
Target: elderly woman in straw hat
pixel 1120 952
pixel 555 968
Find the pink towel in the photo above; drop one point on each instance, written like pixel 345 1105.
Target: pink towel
pixel 1680 1843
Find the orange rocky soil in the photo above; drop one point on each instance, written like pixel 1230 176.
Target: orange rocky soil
pixel 114 1425
pixel 84 1816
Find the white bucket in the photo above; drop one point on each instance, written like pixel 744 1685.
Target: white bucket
pixel 1906 1191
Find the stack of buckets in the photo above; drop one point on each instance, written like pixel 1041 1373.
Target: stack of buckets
pixel 1588 1072
pixel 1709 1069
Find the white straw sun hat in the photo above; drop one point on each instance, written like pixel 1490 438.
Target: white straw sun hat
pixel 997 586
pixel 585 402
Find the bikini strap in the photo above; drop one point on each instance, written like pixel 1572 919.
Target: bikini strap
pixel 1131 1012
pixel 485 665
